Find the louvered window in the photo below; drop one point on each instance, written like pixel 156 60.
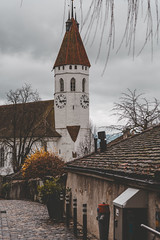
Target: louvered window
pixel 73 85
pixel 83 85
pixel 61 85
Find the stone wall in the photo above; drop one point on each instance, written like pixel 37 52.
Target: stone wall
pixel 94 191
pixel 21 189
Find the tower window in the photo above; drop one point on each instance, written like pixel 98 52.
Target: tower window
pixel 1 157
pixel 83 84
pixel 61 85
pixel 73 85
pixel 70 67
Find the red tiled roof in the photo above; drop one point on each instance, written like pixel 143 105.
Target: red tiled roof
pixel 137 156
pixel 72 50
pixel 37 117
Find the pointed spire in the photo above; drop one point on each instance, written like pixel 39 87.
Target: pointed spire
pixel 68 14
pixel 75 14
pixel 72 9
pixel 72 50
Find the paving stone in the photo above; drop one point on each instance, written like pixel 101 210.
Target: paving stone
pixel 25 220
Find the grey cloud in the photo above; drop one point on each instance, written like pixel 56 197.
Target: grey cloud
pixel 30 38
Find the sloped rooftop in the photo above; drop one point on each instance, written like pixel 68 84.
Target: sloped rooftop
pixel 72 50
pixel 137 156
pixel 37 117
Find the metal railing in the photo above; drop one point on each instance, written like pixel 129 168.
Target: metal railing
pixel 151 230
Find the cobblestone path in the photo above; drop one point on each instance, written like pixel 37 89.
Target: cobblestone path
pixel 25 220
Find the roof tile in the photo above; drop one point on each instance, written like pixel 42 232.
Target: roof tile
pixel 138 155
pixel 72 50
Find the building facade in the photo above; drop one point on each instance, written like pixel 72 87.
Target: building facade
pixel 60 125
pixel 127 177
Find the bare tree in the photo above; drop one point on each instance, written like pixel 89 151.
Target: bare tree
pixel 137 112
pixel 23 95
pixel 24 128
pixel 86 146
pixel 101 16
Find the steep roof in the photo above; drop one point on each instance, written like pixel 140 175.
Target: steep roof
pixel 72 50
pixel 36 117
pixel 137 156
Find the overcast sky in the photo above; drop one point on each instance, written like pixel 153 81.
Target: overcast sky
pixel 30 38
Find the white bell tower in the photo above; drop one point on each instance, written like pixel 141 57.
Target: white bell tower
pixel 71 97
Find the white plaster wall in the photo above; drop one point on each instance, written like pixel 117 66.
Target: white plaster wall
pixel 8 169
pixel 73 114
pixel 65 145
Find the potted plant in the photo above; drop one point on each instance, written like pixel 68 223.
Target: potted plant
pixel 50 195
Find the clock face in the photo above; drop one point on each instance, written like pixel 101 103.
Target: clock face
pixel 84 101
pixel 61 101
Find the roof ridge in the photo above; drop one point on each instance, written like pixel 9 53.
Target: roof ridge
pixel 135 135
pixel 12 104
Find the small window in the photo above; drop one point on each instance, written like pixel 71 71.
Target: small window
pixel 61 85
pixel 70 67
pixel 83 84
pixel 85 68
pixel 82 67
pixel 73 85
pixel 59 151
pixel 1 157
pixel 59 68
pixel 63 67
pixel 75 66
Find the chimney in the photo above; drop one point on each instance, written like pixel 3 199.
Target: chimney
pixel 95 145
pixel 102 137
pixel 126 133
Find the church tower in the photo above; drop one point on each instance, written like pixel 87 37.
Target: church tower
pixel 71 97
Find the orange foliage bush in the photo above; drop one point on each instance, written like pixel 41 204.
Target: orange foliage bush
pixel 42 164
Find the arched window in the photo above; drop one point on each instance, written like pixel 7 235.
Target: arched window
pixel 83 85
pixel 61 85
pixel 73 85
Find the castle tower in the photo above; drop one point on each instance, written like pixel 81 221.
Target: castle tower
pixel 71 97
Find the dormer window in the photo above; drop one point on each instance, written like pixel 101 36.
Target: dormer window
pixel 70 67
pixel 73 85
pixel 83 84
pixel 61 85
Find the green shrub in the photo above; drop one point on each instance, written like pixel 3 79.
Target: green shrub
pixel 51 187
